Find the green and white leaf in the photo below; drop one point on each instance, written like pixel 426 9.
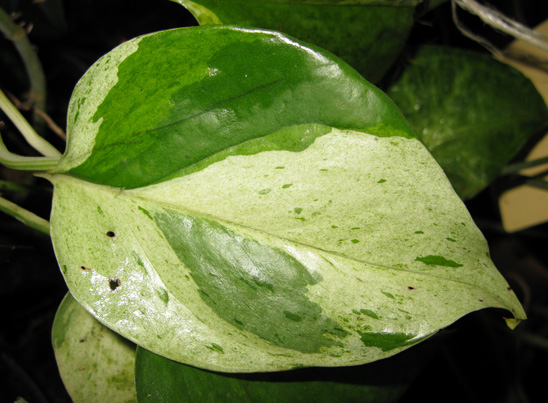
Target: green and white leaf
pixel 367 34
pixel 258 206
pixel 96 364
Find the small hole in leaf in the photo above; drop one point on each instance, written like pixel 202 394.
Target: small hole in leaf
pixel 480 300
pixel 410 287
pixel 114 283
pixel 84 268
pixel 111 234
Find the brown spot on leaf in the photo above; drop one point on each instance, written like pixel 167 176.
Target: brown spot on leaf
pixel 114 283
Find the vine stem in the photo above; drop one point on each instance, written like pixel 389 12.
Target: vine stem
pixel 515 168
pixel 498 21
pixel 37 142
pixel 32 64
pixel 21 163
pixel 26 217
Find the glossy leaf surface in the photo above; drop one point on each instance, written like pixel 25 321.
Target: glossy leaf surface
pixel 223 215
pixel 369 35
pixel 472 112
pixel 96 364
pixel 161 380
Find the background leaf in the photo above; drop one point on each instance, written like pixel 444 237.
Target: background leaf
pixel 161 380
pixel 368 35
pixel 473 112
pixel 96 364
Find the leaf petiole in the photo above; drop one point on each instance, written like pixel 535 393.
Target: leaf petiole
pixel 515 168
pixel 37 142
pixel 21 163
pixel 26 217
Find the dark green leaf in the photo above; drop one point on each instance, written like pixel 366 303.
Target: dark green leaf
pixel 472 112
pixel 369 35
pixel 161 380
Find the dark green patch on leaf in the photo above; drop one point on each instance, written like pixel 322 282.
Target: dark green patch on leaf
pixel 433 260
pixel 178 102
pixel 250 285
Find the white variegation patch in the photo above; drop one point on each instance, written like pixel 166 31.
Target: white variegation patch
pixel 88 95
pixel 374 220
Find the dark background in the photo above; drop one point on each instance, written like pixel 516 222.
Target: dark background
pixel 478 359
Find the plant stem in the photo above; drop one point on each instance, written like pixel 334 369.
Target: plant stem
pixel 20 163
pixel 538 183
pixel 32 64
pixel 26 217
pixel 514 168
pixel 37 142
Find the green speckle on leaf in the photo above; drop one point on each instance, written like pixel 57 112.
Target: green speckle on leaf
pixel 385 341
pixel 265 191
pixel 163 294
pixel 287 185
pixel 419 232
pixel 298 210
pixel 451 239
pixel 145 212
pixel 381 181
pixel 292 316
pixel 434 260
pixel 215 347
pixel 369 313
pixel 279 168
pixel 388 295
pixel 355 240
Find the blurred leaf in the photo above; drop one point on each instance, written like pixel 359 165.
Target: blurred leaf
pixel 368 35
pixel 473 112
pixel 96 364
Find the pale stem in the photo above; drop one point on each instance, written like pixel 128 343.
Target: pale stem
pixel 32 64
pixel 37 142
pixel 21 163
pixel 28 218
pixel 498 21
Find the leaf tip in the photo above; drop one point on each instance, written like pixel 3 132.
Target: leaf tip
pixel 512 323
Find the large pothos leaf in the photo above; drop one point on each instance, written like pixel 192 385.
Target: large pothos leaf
pixel 96 364
pixel 238 201
pixel 473 112
pixel 158 379
pixel 367 34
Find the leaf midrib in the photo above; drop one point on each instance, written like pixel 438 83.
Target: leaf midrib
pixel 185 210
